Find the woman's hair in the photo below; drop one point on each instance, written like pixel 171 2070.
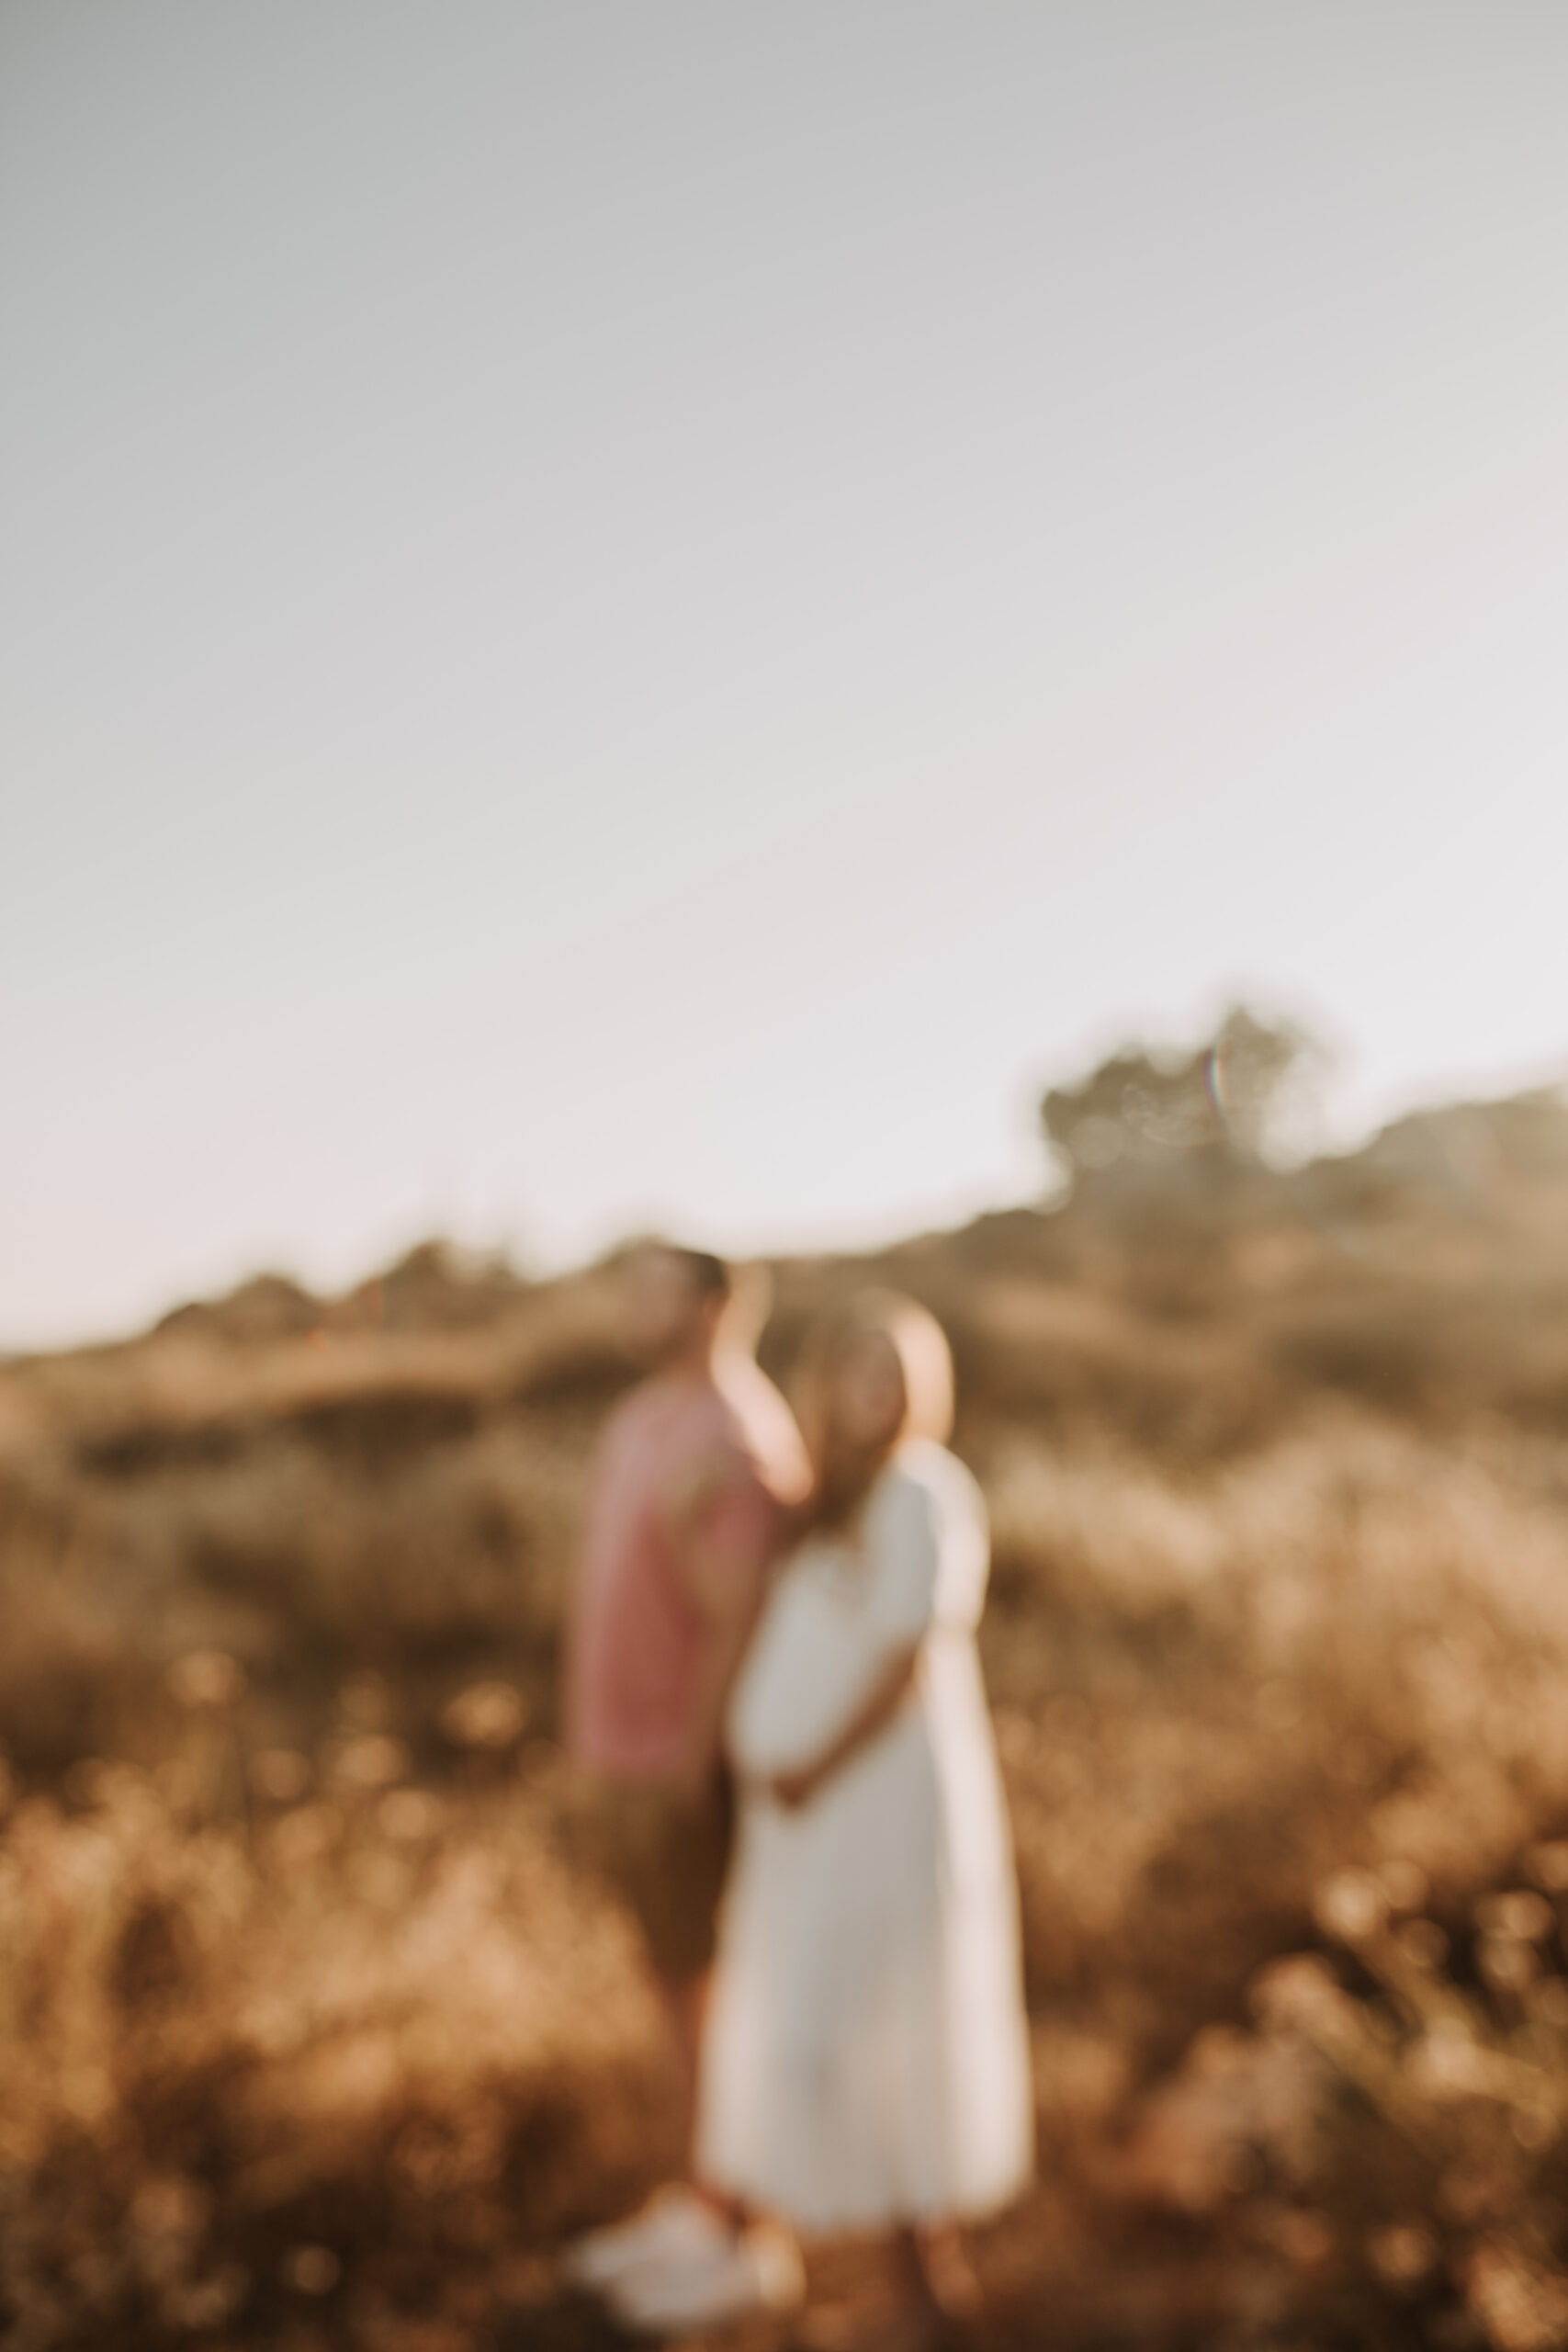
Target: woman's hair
pixel 843 1478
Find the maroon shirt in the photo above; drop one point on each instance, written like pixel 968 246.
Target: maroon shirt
pixel 635 1642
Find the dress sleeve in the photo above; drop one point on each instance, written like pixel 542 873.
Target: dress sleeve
pixel 904 1538
pixel 930 1548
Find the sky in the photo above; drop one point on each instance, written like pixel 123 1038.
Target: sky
pixel 623 616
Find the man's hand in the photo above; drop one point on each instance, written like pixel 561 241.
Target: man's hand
pixel 796 1788
pixel 696 1768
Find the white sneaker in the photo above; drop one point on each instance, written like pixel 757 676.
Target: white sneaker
pixel 675 2222
pixel 758 2269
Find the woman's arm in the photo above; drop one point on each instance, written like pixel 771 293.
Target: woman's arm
pixel 882 1701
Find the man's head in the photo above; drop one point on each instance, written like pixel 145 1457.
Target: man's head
pixel 676 1299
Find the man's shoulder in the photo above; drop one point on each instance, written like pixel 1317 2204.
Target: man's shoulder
pixel 735 1425
pixel 758 1428
pixel 634 1429
pixel 678 1429
pixel 627 1414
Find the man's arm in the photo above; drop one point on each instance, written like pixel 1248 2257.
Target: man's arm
pixel 721 1525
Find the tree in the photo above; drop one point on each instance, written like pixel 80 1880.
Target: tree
pixel 1156 1109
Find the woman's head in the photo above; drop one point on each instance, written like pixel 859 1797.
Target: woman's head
pixel 872 1374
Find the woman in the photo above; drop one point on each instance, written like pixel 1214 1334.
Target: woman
pixel 866 2066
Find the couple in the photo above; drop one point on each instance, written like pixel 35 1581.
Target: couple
pixel 780 1620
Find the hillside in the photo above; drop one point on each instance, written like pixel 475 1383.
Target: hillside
pixel 314 2032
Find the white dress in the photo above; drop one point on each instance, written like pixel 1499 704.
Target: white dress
pixel 866 2059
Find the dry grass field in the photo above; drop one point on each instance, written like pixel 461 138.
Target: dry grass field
pixel 311 2032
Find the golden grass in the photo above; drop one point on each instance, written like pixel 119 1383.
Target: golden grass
pixel 312 2031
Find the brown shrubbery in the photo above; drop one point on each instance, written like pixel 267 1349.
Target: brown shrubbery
pixel 311 2031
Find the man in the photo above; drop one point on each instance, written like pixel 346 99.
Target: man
pixel 695 1476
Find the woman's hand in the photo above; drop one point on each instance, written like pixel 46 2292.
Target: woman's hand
pixel 798 1783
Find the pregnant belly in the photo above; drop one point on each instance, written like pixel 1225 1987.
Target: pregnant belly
pixel 809 1665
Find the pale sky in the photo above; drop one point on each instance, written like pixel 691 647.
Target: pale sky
pixel 628 614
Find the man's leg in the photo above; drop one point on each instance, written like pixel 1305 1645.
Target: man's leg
pixel 682 2221
pixel 683 2000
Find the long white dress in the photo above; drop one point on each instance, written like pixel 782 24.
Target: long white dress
pixel 866 2061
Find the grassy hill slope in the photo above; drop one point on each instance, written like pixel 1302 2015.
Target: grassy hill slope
pixel 311 2028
